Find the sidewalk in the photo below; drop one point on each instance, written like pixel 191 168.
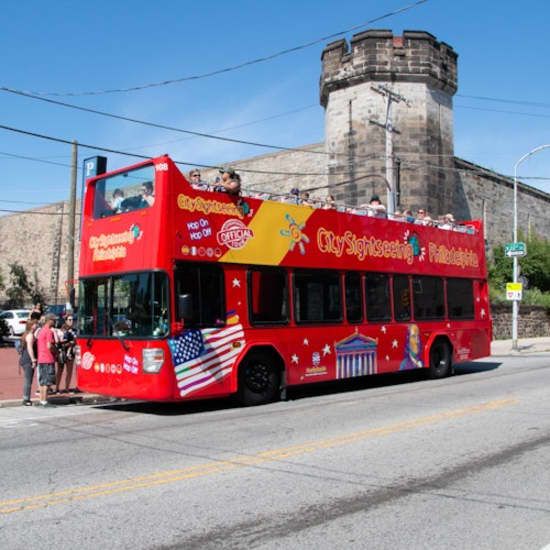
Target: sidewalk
pixel 11 385
pixel 525 346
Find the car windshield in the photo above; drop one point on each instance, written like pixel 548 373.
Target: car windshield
pixel 130 305
pixel 124 192
pixel 22 314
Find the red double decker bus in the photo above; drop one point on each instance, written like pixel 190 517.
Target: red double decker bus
pixel 190 294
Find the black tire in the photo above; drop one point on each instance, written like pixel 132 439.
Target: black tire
pixel 259 380
pixel 440 359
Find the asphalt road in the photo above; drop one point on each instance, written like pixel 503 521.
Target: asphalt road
pixel 392 463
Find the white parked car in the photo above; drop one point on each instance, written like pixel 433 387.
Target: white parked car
pixel 16 319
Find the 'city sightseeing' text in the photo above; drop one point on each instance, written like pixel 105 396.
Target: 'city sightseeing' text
pixel 360 246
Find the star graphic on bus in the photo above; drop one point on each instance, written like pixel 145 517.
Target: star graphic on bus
pixel 306 342
pixel 294 232
pixel 236 283
pixel 384 329
pixel 294 358
pixel 326 350
pixel 394 343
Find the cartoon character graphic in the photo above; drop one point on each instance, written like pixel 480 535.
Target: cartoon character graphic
pixel 413 350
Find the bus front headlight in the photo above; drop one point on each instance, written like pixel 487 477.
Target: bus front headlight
pixel 153 358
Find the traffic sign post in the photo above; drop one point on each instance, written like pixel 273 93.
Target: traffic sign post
pixel 513 250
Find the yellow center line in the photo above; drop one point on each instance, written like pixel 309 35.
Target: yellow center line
pixel 239 461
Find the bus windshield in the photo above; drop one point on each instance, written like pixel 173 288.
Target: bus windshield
pixel 129 305
pixel 124 192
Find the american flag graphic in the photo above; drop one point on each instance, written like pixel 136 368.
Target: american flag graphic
pixel 202 357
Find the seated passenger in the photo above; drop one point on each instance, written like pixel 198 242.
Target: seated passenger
pixel 375 209
pixel 196 182
pixel 116 201
pixel 422 218
pixel 230 182
pixel 330 203
pixel 304 199
pixel 147 194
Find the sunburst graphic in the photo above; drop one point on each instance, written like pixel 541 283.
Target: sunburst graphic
pixel 295 234
pixel 418 250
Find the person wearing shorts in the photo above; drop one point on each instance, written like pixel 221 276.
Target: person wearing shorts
pixel 46 358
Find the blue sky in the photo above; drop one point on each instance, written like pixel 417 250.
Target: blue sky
pixel 503 47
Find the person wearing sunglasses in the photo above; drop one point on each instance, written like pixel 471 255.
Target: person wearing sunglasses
pixel 196 182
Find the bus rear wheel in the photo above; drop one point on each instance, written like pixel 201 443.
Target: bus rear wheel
pixel 259 380
pixel 440 359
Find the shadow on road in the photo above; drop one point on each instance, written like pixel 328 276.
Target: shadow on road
pixel 478 366
pixel 298 392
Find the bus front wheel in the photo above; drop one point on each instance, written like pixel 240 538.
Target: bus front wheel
pixel 259 380
pixel 440 359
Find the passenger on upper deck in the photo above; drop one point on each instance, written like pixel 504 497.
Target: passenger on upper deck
pixel 330 203
pixel 423 218
pixel 230 182
pixel 304 199
pixel 116 201
pixel 147 194
pixel 196 182
pixel 375 208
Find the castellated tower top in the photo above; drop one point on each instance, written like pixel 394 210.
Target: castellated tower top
pixel 378 55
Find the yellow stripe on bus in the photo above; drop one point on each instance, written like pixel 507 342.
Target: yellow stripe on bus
pixel 269 247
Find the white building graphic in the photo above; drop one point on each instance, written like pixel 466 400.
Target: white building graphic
pixel 356 356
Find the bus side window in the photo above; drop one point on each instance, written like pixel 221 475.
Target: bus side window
pixel 268 295
pixel 205 284
pixel 377 292
pixel 354 297
pixel 429 298
pixel 460 298
pixel 317 296
pixel 401 298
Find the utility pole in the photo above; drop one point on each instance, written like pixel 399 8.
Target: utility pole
pixel 72 216
pixel 391 97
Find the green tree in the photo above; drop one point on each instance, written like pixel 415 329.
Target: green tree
pixel 535 266
pixel 21 290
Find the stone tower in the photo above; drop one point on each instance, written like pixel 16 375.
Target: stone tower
pixel 417 75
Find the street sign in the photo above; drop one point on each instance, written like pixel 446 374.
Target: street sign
pixel 514 291
pixel 515 249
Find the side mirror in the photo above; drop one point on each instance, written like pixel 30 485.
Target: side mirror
pixel 185 307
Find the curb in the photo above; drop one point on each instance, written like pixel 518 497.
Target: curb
pixel 79 399
pixel 518 353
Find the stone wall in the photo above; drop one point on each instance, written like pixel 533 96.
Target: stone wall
pixel 38 240
pixel 533 322
pixel 489 196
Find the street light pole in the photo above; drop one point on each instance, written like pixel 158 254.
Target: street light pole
pixel 515 305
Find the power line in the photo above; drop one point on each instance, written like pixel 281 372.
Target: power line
pixel 243 125
pixel 158 125
pixel 239 65
pixel 536 115
pixel 501 100
pixel 146 157
pixel 34 159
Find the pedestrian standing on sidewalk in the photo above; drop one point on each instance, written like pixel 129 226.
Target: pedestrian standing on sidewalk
pixel 46 358
pixel 28 359
pixel 68 340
